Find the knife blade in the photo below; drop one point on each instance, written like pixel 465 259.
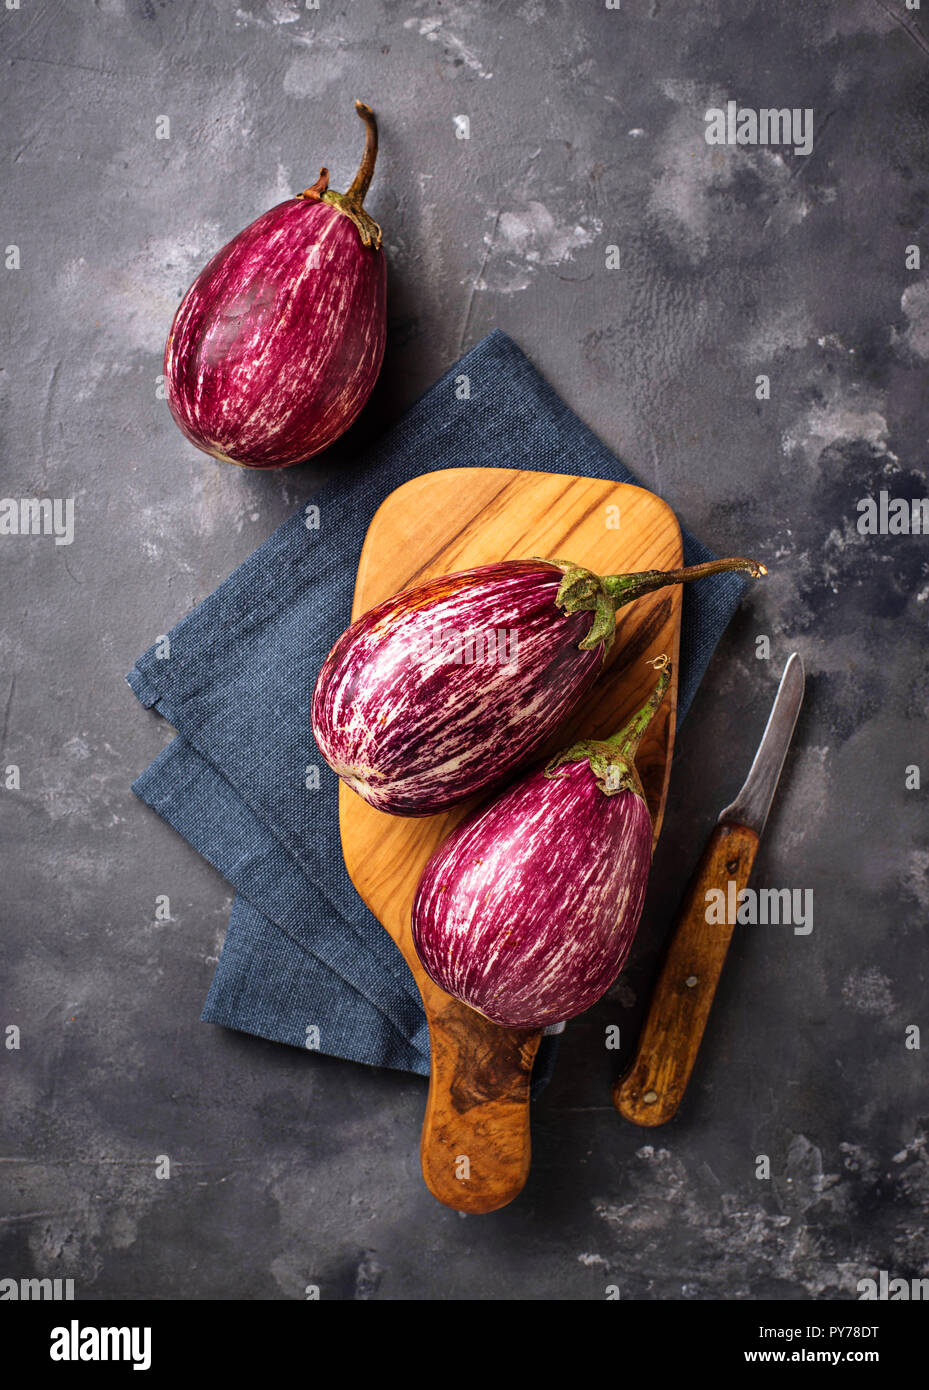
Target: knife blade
pixel 651 1090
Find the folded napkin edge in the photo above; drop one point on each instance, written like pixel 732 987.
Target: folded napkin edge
pixel 141 688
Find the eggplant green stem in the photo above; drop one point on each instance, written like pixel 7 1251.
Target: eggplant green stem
pixel 630 735
pixel 581 589
pixel 626 587
pixel 351 202
pixel 612 760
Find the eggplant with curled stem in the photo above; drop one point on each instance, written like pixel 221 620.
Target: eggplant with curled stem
pixel 528 910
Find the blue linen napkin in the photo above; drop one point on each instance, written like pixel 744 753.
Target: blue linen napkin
pixel 304 961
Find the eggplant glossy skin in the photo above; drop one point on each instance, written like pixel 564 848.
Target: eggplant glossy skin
pixel 412 724
pixel 528 910
pixel 277 344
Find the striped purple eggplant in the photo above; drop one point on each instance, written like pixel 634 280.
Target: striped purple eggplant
pixel 528 910
pixel 445 689
pixel 277 344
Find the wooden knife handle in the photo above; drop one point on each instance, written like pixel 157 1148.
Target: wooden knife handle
pixel 653 1088
pixel 475 1147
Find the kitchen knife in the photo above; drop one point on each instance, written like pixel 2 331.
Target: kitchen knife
pixel 650 1092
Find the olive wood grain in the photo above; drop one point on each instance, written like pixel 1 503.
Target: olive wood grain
pixel 652 1089
pixel 475 1141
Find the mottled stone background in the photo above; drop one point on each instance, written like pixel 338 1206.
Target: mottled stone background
pixel 586 129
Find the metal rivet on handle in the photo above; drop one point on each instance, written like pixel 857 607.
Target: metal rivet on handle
pixel 690 981
pixel 650 1097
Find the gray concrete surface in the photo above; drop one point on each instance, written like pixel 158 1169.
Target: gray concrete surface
pixel 586 129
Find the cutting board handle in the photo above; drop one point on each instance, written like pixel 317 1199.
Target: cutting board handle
pixel 475 1147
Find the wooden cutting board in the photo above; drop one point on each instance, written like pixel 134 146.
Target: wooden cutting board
pixel 475 1138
